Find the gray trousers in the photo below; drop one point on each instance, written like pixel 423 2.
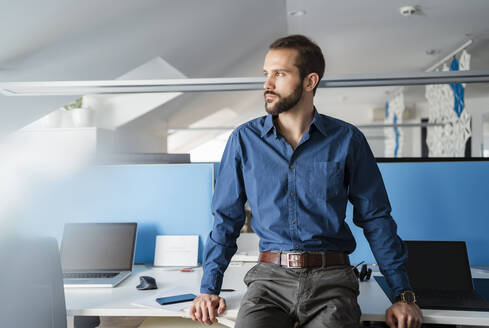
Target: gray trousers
pixel 310 297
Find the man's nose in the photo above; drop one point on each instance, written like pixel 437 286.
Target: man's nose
pixel 269 84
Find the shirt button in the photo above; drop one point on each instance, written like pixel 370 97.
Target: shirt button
pixel 292 194
pixel 296 246
pixel 293 221
pixel 291 166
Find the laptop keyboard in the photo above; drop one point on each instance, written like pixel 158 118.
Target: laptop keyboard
pixel 90 275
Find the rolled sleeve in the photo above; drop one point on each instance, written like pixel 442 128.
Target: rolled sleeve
pixel 229 216
pixel 372 213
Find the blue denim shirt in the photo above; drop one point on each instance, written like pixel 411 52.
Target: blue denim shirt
pixel 298 197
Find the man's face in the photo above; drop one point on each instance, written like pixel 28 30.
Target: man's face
pixel 283 85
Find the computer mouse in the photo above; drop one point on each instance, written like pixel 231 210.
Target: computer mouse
pixel 146 283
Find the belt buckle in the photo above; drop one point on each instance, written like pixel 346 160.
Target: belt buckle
pixel 290 260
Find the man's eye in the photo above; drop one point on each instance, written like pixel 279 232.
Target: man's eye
pixel 280 74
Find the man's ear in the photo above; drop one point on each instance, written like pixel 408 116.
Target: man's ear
pixel 310 81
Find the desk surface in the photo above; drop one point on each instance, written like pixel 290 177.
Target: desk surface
pixel 119 301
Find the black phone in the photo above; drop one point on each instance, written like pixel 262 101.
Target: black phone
pixel 175 299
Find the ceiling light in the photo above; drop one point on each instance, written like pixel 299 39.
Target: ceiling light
pixel 297 13
pixel 407 10
pixel 58 88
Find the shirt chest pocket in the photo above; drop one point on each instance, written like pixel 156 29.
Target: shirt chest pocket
pixel 324 179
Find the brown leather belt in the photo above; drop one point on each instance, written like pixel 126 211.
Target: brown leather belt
pixel 304 260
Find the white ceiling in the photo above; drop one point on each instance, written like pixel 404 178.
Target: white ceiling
pixel 89 40
pixel 372 36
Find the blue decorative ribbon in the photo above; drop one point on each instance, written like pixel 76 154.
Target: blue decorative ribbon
pixel 396 131
pixel 458 90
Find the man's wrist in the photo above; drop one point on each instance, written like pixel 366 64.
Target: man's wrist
pixel 406 296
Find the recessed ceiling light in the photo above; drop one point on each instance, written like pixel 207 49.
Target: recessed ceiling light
pixel 297 13
pixel 407 10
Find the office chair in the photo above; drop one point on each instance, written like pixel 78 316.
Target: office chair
pixel 31 284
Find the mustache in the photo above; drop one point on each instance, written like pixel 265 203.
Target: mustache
pixel 270 93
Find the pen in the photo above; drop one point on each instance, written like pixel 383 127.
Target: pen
pixel 188 269
pixel 227 290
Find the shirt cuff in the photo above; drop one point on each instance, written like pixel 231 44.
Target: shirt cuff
pixel 398 281
pixel 211 283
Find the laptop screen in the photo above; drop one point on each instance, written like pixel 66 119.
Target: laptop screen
pixel 98 247
pixel 439 265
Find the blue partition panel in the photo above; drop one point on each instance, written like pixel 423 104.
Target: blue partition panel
pixel 162 199
pixel 436 201
pixel 430 200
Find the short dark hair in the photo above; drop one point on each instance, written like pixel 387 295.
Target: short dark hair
pixel 310 58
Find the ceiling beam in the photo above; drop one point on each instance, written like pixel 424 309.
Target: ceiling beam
pixel 54 88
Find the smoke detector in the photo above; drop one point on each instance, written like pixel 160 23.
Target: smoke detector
pixel 407 10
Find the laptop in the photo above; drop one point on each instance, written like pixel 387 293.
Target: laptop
pixel 97 254
pixel 439 273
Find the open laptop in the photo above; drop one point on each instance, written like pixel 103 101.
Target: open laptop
pixel 97 254
pixel 439 273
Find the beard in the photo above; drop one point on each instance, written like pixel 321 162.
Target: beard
pixel 284 103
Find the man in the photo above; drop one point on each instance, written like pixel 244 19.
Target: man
pixel 298 169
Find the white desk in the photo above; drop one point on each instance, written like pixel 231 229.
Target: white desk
pixel 118 301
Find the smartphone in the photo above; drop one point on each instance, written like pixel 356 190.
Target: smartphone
pixel 176 299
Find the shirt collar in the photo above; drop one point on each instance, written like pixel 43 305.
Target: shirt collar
pixel 317 121
pixel 268 125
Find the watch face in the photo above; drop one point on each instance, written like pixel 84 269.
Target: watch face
pixel 409 297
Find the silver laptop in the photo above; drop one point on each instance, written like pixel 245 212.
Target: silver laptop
pixel 97 254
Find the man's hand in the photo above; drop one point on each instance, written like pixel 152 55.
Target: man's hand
pixel 205 307
pixel 404 315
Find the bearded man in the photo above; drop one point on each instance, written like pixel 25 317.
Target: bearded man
pixel 298 169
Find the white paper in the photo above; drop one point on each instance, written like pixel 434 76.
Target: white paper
pixel 176 250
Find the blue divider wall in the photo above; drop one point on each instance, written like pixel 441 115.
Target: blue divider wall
pixel 430 200
pixel 162 199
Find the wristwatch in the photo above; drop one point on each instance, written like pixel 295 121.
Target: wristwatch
pixel 406 296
